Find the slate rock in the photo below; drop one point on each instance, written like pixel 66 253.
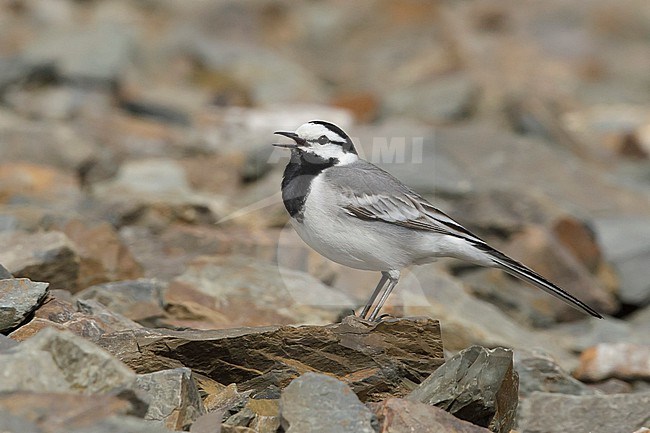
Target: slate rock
pixel 31 370
pixel 103 256
pixel 43 256
pixel 174 399
pixel 557 413
pixel 478 385
pixel 614 360
pixel 154 192
pixel 540 250
pixel 539 372
pixel 86 368
pixel 255 292
pixel 138 300
pixel 88 319
pixel 405 416
pixel 18 298
pixel 316 403
pixel 375 359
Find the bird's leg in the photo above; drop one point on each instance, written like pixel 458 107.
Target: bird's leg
pixel 375 293
pixel 393 277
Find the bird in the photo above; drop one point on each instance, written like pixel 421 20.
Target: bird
pixel 358 215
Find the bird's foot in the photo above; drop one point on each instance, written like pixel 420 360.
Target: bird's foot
pixel 384 317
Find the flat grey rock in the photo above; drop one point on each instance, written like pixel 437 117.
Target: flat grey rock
pixel 316 403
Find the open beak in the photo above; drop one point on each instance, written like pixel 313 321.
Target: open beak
pixel 292 135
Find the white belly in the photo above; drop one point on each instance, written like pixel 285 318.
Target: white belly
pixel 350 241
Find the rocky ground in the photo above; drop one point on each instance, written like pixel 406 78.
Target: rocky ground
pixel 146 258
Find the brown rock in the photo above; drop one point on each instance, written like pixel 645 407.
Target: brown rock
pixel 404 416
pixel 102 255
pixel 139 300
pixel 87 319
pixel 37 183
pixel 375 359
pixel 580 240
pixel 614 360
pixel 541 251
pixel 43 256
pixel 248 292
pixel 364 106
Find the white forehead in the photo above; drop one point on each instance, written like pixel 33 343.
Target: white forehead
pixel 311 131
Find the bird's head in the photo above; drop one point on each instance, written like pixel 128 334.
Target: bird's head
pixel 320 140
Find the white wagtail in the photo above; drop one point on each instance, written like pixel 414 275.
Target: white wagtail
pixel 358 215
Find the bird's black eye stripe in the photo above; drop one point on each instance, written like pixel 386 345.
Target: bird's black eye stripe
pixel 323 139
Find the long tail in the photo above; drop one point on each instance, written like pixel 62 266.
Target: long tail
pixel 523 272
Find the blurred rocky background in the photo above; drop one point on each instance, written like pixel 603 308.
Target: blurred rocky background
pixel 146 258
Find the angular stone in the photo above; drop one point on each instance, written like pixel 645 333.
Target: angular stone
pixel 266 415
pixel 30 370
pixel 542 252
pixel 376 359
pixel 614 360
pixel 18 298
pixel 44 256
pixel 318 403
pixel 261 415
pixel 174 399
pixel 138 300
pixel 405 416
pixel 102 255
pixel 557 413
pixel 154 192
pixel 539 372
pixel 468 320
pixel 88 319
pixel 86 367
pixel 251 293
pixel 478 385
